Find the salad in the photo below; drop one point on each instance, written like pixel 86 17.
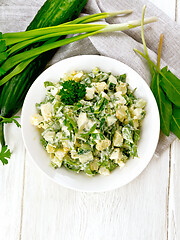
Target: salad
pixel 90 121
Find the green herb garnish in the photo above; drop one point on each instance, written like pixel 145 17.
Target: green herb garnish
pixel 72 92
pixel 5 153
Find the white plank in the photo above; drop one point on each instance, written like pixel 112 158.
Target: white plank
pixel 168 6
pixel 136 211
pixel 11 186
pixel 174 194
pixel 178 11
pixel 11 176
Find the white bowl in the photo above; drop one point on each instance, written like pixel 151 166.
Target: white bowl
pixel 149 131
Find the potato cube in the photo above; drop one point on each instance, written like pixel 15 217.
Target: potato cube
pixel 82 121
pixel 104 171
pixel 117 139
pixel 100 86
pixel 36 119
pixel 47 111
pixel 90 93
pixel 122 87
pixel 103 144
pixel 50 148
pixel 121 113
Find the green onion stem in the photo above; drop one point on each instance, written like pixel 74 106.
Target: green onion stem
pixel 156 67
pixel 12 38
pixel 142 30
pixel 22 65
pixel 2 140
pixel 18 69
pixel 151 62
pixel 99 16
pixel 14 60
pixel 50 30
pixel 128 25
pixel 143 39
pixel 23 44
pixel 80 29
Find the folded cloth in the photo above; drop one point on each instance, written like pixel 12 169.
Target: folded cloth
pixel 118 45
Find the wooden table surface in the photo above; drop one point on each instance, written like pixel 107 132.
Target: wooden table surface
pixel 34 207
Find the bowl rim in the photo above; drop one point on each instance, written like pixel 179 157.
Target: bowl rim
pixel 77 188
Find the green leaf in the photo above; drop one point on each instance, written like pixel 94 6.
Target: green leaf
pixel 18 69
pixel 70 164
pixel 72 92
pixel 133 151
pixel 164 105
pixel 10 120
pixel 2 140
pixel 171 86
pixel 47 84
pixel 122 78
pixel 72 122
pixel 5 154
pixel 3 57
pixel 3 45
pixel 127 134
pixel 2 72
pixel 86 135
pixel 175 122
pixel 43 142
pixel 88 170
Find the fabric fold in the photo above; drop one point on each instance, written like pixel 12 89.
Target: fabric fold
pixel 118 45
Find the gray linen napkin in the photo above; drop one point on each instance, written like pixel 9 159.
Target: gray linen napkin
pixel 118 45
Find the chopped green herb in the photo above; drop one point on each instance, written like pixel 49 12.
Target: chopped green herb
pixel 5 154
pixel 72 92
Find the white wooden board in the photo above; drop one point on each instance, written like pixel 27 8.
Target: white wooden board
pixel 33 207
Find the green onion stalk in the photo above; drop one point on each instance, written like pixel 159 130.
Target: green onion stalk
pixel 2 140
pixel 16 42
pixel 13 60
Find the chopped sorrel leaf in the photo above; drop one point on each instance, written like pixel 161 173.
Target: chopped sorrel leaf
pixel 2 46
pixel 3 57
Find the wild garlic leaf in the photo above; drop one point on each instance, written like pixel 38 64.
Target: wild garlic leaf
pixel 164 105
pixel 2 45
pixel 175 122
pixel 171 86
pixel 3 57
pixel 5 154
pixel 2 72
